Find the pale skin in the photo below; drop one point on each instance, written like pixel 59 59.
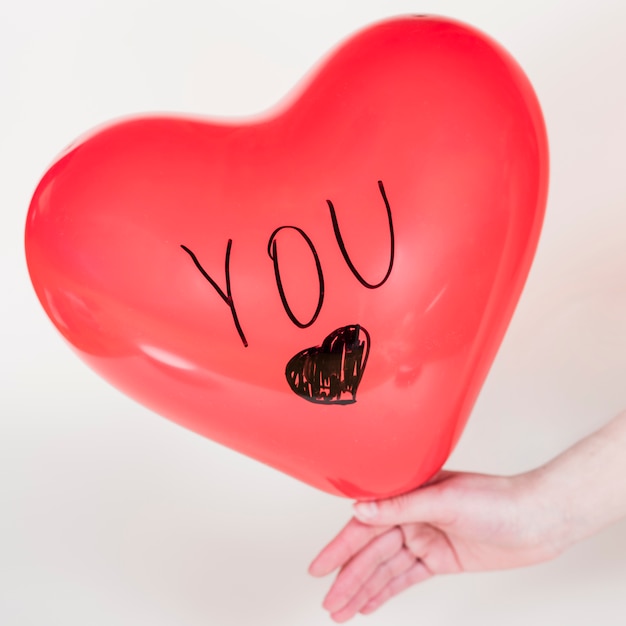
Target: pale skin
pixel 464 522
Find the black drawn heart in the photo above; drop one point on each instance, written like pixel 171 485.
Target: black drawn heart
pixel 331 373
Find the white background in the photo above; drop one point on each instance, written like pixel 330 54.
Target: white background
pixel 110 515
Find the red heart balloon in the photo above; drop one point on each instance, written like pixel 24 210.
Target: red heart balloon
pixel 323 289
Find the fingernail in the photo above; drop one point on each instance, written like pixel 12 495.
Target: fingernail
pixel 366 510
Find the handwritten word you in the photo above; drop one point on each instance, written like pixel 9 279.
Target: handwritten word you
pixel 272 251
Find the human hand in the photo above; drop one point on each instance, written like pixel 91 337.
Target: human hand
pixel 459 522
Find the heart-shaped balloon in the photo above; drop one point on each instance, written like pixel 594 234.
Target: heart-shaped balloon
pixel 325 288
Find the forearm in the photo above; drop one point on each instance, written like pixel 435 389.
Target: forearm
pixel 583 490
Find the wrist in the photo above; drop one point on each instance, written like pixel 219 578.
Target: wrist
pixel 548 496
pixel 582 491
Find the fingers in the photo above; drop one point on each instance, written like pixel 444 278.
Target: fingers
pixel 417 573
pixel 395 560
pixel 427 504
pixel 389 545
pixel 359 571
pixel 344 546
pixel 433 547
pixel 384 574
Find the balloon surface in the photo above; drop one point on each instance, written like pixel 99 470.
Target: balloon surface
pixel 324 288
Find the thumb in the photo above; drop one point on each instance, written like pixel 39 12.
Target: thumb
pixel 426 504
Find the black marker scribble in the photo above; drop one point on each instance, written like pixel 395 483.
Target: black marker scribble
pixel 272 250
pixel 331 373
pixel 228 296
pixel 342 246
